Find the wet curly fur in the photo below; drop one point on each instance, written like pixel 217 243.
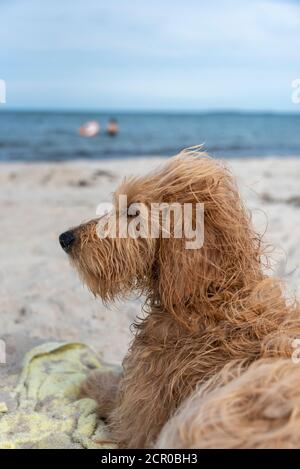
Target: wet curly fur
pixel 210 364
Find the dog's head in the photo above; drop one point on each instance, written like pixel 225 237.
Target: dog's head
pixel 180 235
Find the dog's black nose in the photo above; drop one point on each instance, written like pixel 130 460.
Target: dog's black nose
pixel 66 240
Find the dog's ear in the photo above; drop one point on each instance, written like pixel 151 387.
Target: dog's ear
pixel 187 278
pixel 193 284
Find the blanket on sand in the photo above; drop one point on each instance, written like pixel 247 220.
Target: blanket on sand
pixel 41 407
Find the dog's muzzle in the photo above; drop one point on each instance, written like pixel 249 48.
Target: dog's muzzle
pixel 67 240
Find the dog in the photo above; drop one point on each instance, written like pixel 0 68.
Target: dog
pixel 211 363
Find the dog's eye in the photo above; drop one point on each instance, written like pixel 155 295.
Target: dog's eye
pixel 132 214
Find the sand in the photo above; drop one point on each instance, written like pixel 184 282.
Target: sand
pixel 40 294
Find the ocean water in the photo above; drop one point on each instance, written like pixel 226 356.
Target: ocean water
pixel 38 136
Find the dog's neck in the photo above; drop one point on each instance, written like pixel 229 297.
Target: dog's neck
pixel 247 316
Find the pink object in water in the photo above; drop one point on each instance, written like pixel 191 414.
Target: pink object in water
pixel 90 129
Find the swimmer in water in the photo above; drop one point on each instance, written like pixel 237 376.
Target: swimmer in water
pixel 90 129
pixel 112 127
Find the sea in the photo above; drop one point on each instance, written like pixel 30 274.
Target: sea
pixel 53 136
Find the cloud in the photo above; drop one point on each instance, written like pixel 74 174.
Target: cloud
pixel 165 51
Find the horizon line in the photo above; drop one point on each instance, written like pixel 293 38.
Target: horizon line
pixel 67 110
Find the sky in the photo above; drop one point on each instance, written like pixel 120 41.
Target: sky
pixel 175 55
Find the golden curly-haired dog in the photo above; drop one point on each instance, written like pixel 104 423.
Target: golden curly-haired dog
pixel 211 363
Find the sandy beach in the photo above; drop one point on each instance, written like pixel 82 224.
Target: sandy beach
pixel 42 297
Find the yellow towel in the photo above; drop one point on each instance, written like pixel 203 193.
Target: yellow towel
pixel 44 410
